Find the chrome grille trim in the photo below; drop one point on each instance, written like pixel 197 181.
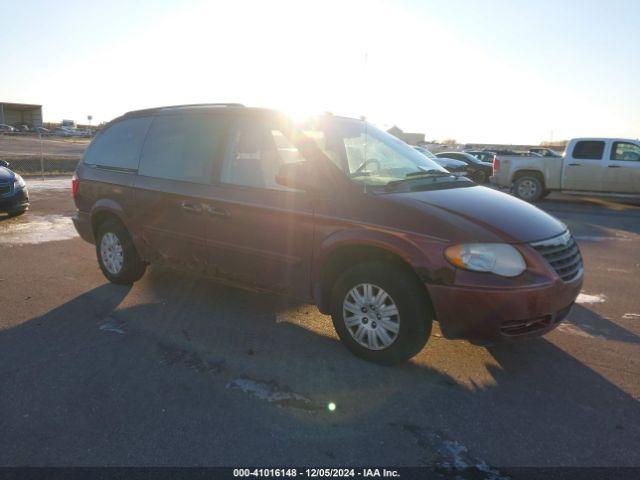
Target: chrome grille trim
pixel 563 254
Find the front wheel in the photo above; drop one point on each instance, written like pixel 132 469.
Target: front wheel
pixel 528 188
pixel 381 313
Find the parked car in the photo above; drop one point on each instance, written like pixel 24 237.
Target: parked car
pixel 545 152
pixel 482 155
pixel 602 165
pixel 333 211
pixel 21 127
pixel 62 132
pixel 478 171
pixel 6 128
pixel 14 197
pixel 42 130
pixel 454 166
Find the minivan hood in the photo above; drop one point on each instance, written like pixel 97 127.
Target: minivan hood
pixel 507 217
pixel 5 174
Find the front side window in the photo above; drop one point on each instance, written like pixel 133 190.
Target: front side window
pixel 182 148
pixel 366 154
pixel 118 146
pixel 256 152
pixel 625 151
pixel 588 150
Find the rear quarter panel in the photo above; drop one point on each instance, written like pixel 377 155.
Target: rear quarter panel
pixel 550 168
pixel 102 190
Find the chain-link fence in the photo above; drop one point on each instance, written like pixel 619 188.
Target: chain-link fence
pixel 31 155
pixel 34 165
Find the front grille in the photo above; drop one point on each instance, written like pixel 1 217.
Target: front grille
pixel 563 255
pixel 5 188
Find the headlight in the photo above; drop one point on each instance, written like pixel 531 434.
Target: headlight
pixel 498 258
pixel 18 182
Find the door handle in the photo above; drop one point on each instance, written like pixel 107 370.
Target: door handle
pixel 575 164
pixel 614 166
pixel 218 212
pixel 191 207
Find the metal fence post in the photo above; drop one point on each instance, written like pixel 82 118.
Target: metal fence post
pixel 41 157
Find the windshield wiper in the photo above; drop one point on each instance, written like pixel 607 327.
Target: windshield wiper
pixel 431 173
pixel 417 175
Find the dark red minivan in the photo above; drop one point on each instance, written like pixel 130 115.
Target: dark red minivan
pixel 333 211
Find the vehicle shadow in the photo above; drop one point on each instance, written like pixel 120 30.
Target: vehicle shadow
pixel 101 381
pixel 595 325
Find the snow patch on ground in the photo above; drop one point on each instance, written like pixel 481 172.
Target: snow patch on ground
pixel 586 298
pixel 37 229
pixel 272 393
pixel 34 184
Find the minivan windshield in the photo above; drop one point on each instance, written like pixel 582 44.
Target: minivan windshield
pixel 366 154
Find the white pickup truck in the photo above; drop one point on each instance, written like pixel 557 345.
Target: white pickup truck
pixel 603 165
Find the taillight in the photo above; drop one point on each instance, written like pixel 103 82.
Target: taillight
pixel 75 183
pixel 496 164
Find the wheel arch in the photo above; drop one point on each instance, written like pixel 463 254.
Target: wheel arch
pixel 529 172
pixel 341 254
pixel 104 210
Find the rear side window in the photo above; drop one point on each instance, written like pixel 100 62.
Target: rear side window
pixel 119 145
pixel 588 150
pixel 182 148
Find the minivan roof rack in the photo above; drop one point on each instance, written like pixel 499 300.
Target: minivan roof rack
pixel 196 105
pixel 176 107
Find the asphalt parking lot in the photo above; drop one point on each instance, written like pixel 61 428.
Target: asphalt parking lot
pixel 179 370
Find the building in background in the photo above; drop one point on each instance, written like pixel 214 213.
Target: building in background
pixel 410 138
pixel 21 114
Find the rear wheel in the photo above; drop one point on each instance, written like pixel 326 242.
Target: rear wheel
pixel 528 188
pixel 117 256
pixel 381 313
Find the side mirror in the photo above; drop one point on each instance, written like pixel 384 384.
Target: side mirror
pixel 4 163
pixel 298 175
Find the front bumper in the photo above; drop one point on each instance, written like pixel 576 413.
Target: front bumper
pixel 15 201
pixel 493 314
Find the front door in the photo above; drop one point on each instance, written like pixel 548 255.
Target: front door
pixel 622 174
pixel 584 166
pixel 259 232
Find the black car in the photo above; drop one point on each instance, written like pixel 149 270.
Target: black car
pixel 14 197
pixel 454 166
pixel 483 155
pixel 479 171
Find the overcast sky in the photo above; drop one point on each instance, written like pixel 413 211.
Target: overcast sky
pixel 490 71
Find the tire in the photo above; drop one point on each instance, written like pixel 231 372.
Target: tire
pixel 528 188
pixel 113 237
pixel 413 320
pixel 480 177
pixel 17 213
